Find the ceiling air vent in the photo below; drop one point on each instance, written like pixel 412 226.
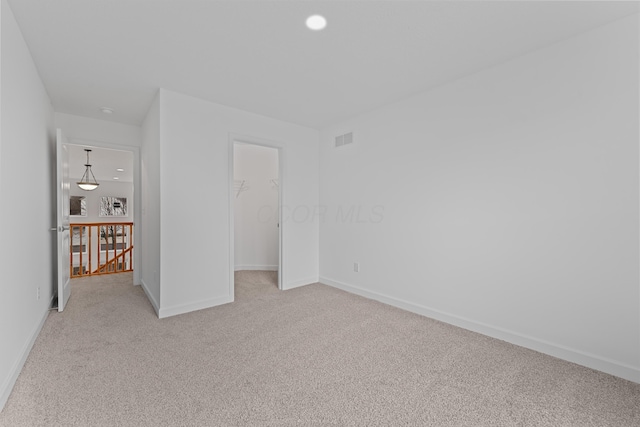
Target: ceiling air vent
pixel 345 139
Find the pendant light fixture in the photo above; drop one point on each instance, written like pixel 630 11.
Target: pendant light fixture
pixel 84 183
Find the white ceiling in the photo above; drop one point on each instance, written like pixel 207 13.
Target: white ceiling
pixel 258 55
pixel 104 163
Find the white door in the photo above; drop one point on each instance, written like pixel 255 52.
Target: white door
pixel 64 279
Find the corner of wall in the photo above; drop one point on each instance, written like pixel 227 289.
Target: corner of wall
pixel 152 299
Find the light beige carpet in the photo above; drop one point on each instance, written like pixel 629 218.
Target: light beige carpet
pixel 312 356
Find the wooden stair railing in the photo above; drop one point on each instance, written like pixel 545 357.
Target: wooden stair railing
pixel 107 245
pixel 111 265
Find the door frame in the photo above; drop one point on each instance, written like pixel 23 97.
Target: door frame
pixel 280 147
pixel 137 195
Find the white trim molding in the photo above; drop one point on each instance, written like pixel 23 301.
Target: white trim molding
pixel 193 306
pixel 256 268
pixel 592 361
pixel 298 283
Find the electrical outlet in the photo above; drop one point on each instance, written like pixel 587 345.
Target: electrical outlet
pixel 356 267
pixel 38 292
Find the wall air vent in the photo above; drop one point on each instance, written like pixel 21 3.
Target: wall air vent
pixel 345 139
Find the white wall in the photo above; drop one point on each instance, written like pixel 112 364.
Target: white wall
pixel 256 209
pixel 505 202
pixel 150 224
pixel 106 188
pixel 27 250
pixel 89 129
pixel 195 219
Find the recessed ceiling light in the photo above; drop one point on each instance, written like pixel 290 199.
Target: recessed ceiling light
pixel 316 22
pixel 120 170
pixel 106 110
pixel 115 177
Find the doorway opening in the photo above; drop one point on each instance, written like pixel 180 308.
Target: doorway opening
pixel 101 220
pixel 256 201
pixel 65 159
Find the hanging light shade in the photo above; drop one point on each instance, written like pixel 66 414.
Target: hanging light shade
pixel 85 183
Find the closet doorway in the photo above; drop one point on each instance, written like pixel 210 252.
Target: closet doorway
pixel 256 219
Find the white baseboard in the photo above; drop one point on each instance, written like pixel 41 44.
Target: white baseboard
pixel 10 381
pixel 193 306
pixel 593 361
pixel 298 283
pixel 256 268
pixel 149 295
